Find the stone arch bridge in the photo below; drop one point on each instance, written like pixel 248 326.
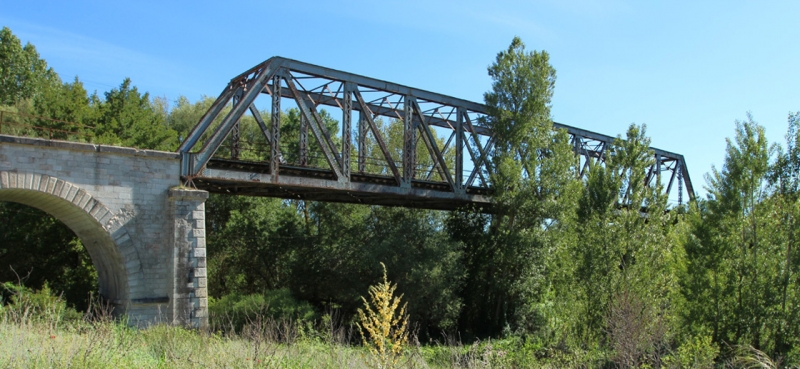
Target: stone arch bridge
pixel 145 234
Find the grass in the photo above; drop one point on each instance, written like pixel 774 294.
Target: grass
pixel 103 344
pixel 110 344
pixel 35 342
pixel 38 331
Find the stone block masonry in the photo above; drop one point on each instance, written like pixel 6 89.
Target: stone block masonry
pixel 146 237
pixel 187 208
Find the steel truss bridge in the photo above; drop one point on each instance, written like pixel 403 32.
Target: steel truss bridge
pixel 423 165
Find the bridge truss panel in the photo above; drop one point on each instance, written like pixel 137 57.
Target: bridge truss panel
pixel 396 145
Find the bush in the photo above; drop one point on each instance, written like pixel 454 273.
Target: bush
pixel 697 353
pixel 232 312
pixel 22 305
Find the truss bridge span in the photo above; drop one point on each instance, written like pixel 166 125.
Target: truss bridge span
pixel 392 144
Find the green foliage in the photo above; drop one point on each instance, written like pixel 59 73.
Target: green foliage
pixel 535 185
pixel 424 262
pixel 345 242
pixel 785 173
pixel 254 240
pixel 697 352
pixel 45 252
pixel 21 304
pixel 234 311
pixel 184 115
pixel 621 252
pixel 22 73
pixel 128 118
pixel 68 104
pixel 742 276
pixel 519 102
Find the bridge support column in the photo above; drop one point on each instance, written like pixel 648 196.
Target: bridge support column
pixel 189 291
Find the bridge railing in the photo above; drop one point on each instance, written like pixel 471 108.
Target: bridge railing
pixel 28 125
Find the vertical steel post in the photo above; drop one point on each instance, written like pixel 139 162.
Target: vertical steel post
pixel 680 186
pixel 347 111
pixel 235 131
pixel 363 126
pixel 658 170
pixel 459 175
pixel 576 147
pixel 275 127
pixel 409 142
pixel 303 144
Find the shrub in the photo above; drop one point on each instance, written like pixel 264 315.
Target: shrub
pixel 232 312
pixel 698 352
pixel 23 305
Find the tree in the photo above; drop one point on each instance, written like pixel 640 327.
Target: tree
pixel 67 107
pixel 253 244
pixel 22 72
pixel 740 253
pixel 534 184
pixel 184 114
pixel 625 253
pixel 128 118
pixel 785 176
pixel 36 245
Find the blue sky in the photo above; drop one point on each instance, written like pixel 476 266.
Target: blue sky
pixel 687 69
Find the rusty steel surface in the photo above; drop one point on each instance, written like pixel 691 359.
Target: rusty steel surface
pixel 427 168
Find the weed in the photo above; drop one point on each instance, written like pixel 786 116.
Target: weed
pixel 386 327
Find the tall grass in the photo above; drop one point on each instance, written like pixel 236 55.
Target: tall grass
pixel 38 331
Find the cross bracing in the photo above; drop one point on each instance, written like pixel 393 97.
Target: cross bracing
pixel 396 145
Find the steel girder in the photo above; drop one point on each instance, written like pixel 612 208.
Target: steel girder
pixel 425 116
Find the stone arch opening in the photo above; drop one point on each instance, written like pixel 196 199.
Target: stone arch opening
pixel 37 249
pixel 92 222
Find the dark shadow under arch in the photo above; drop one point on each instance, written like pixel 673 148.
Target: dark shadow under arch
pixel 87 217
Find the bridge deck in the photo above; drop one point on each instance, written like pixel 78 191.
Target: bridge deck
pixel 254 179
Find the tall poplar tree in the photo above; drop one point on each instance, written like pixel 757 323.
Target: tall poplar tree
pixel 737 257
pixel 534 181
pixel 625 253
